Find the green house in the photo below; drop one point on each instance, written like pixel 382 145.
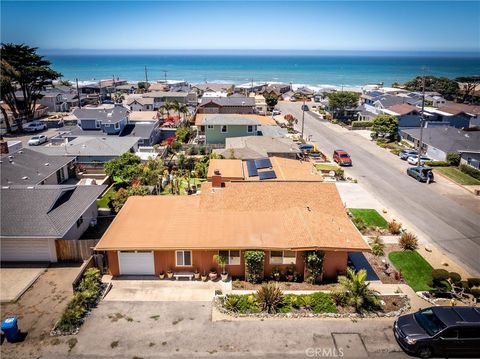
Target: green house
pixel 217 127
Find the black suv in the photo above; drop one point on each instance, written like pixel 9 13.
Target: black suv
pixel 440 331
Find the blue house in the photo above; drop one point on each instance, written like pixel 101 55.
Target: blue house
pixel 110 121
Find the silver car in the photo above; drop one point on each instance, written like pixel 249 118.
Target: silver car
pixel 37 140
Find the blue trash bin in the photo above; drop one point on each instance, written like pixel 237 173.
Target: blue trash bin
pixel 10 328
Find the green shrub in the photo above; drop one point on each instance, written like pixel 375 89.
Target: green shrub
pixel 270 298
pixel 362 123
pixel 359 223
pixel 408 241
pixel 439 281
pixel 453 158
pixel 440 274
pixel 244 304
pixel 314 265
pixel 469 170
pixel 475 292
pixel 378 247
pixel 437 163
pixel 464 284
pixel 323 303
pixel 394 227
pixel 254 265
pixel 473 282
pixel 395 151
pixel 455 277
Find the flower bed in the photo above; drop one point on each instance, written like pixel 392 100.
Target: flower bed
pixel 244 285
pixel 319 305
pixel 86 297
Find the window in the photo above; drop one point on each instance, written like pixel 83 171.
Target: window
pixel 250 129
pixel 79 221
pixel 233 257
pixel 97 124
pixel 210 127
pixel 283 257
pixel 224 129
pixel 183 258
pixel 469 333
pixel 117 126
pixel 60 176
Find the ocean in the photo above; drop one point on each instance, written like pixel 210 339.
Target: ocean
pixel 311 69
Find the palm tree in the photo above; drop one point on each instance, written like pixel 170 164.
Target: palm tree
pixel 167 107
pixel 353 291
pixel 183 109
pixel 118 97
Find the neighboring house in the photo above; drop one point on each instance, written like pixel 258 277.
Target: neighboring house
pixel 200 89
pixel 27 167
pixel 160 97
pixel 90 150
pixel 33 217
pixel 156 86
pixel 249 87
pixel 141 103
pixel 217 127
pixel 260 104
pixel 148 132
pixel 370 97
pixel 407 115
pixel 283 219
pixel 304 92
pixel 143 116
pixel 256 147
pixel 110 121
pixel 127 88
pixel 227 105
pixel 471 158
pixel 451 115
pixel 439 141
pixel 276 90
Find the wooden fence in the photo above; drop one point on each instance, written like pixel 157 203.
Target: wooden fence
pixel 70 250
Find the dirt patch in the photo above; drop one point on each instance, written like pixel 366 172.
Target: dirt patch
pixel 38 309
pixel 383 267
pixel 393 303
pixel 243 285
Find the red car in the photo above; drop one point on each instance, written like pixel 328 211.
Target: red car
pixel 342 158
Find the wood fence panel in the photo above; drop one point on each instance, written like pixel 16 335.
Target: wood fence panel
pixel 74 249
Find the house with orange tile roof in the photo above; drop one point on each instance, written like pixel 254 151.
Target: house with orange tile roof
pixel 155 234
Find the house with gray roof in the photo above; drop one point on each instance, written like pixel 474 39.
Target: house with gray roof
pixel 28 167
pixel 439 141
pixel 110 121
pixel 217 127
pixel 139 103
pixel 33 217
pixel 90 150
pixel 227 105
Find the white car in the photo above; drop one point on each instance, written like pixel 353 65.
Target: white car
pixel 413 160
pixel 276 112
pixel 37 140
pixel 35 126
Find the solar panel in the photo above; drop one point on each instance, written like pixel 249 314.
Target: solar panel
pixel 263 163
pixel 252 170
pixel 267 175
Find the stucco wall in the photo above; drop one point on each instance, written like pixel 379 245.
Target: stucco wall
pixel 334 263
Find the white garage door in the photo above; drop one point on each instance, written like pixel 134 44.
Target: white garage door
pixel 28 250
pixel 136 263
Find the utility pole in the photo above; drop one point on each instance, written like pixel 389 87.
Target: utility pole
pixel 146 76
pixel 303 116
pixel 422 119
pixel 78 95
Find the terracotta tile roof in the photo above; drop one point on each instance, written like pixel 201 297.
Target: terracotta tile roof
pixel 287 169
pixel 229 169
pixel 241 215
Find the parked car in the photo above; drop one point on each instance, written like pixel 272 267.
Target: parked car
pixel 276 112
pixel 305 108
pixel 440 331
pixel 37 140
pixel 404 154
pixel 305 147
pixel 420 173
pixel 34 126
pixel 413 160
pixel 342 158
pixel 293 99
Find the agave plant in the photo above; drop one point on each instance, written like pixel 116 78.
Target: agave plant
pixel 270 297
pixel 353 291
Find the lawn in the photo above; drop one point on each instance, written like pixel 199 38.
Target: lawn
pixel 326 167
pixel 416 271
pixel 103 202
pixel 457 176
pixel 370 217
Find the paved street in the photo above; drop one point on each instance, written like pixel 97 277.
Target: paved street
pixel 448 216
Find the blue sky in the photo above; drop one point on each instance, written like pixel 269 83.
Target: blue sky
pixel 313 25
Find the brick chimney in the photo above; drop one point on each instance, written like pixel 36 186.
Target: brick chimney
pixel 217 179
pixel 3 147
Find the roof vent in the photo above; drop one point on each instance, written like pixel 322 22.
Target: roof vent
pixel 30 187
pixel 47 164
pixel 25 178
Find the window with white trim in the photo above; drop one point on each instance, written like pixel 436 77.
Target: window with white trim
pixel 224 129
pixel 233 257
pixel 249 129
pixel 183 258
pixel 283 257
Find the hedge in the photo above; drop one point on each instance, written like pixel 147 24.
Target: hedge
pixel 362 123
pixel 469 170
pixel 437 163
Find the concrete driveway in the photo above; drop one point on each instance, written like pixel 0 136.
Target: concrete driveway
pixel 151 290
pixel 15 279
pixel 185 329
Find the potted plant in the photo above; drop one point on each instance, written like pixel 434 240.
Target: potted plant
pixel 276 274
pixel 204 276
pixel 221 261
pixel 162 275
pixel 213 274
pixel 196 273
pixel 290 273
pixel 169 274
